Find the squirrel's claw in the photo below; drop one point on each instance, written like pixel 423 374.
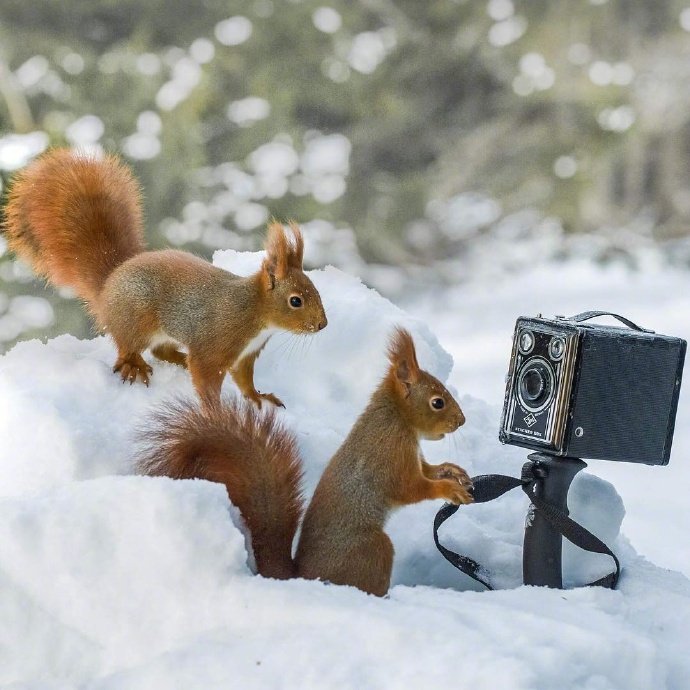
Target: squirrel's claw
pixel 258 399
pixel 272 399
pixel 456 492
pixel 448 470
pixel 457 485
pixel 132 366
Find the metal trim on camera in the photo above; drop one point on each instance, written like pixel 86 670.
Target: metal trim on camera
pixel 536 418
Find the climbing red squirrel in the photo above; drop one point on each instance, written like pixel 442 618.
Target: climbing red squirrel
pixel 77 221
pixel 378 467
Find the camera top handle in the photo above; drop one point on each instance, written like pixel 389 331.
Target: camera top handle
pixel 586 315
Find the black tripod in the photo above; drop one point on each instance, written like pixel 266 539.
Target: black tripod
pixel 546 480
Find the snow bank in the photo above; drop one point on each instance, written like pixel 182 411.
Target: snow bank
pixel 109 580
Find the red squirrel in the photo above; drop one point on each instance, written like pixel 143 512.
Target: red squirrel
pixel 378 467
pixel 77 221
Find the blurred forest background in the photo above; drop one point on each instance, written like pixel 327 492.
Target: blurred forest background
pixel 418 142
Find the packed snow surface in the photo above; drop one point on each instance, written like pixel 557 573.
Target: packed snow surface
pixel 110 580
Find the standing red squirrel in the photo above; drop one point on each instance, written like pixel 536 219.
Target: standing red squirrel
pixel 77 221
pixel 378 467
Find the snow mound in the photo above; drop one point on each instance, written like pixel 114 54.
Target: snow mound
pixel 109 580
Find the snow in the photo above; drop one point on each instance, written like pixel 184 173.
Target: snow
pixel 110 580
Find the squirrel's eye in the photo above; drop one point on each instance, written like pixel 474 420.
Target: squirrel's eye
pixel 437 403
pixel 295 302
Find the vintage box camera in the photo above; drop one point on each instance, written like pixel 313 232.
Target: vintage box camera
pixel 592 391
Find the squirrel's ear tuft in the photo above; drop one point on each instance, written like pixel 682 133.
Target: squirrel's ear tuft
pixel 277 252
pixel 296 250
pixel 403 358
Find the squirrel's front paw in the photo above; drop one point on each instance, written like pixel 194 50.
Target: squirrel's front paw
pixel 258 398
pixel 448 470
pixel 272 399
pixel 132 366
pixel 455 492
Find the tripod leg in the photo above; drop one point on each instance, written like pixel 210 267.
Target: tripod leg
pixel 541 559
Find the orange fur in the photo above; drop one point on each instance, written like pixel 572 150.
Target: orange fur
pixel 283 254
pixel 296 256
pixel 253 455
pixel 75 218
pixel 403 358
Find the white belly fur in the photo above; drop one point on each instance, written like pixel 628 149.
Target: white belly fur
pixel 257 342
pixel 162 338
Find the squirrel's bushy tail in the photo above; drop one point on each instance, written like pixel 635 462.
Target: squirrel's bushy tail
pixel 248 451
pixel 74 218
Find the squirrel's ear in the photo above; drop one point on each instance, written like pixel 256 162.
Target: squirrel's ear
pixel 277 252
pixel 296 250
pixel 268 275
pixel 403 359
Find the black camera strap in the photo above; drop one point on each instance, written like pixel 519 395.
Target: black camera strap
pixel 487 487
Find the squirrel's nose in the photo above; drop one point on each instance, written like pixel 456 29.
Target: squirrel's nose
pixel 322 324
pixel 456 421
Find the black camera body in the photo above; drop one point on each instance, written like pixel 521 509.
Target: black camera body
pixel 592 391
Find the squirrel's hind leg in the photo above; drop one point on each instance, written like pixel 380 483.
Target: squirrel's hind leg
pixel 132 327
pixel 130 364
pixel 370 565
pixel 367 564
pixel 168 352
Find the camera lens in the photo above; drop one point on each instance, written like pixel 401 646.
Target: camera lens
pixel 556 348
pixel 535 384
pixel 532 385
pixel 526 342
